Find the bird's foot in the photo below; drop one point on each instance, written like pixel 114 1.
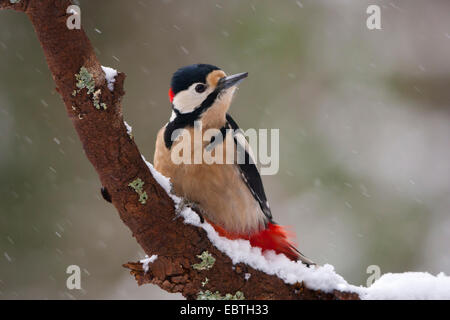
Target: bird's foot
pixel 189 204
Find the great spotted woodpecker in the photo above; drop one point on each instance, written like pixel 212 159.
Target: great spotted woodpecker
pixel 230 196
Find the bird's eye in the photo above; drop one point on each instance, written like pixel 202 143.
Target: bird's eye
pixel 200 88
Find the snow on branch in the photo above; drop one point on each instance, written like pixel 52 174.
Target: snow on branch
pixel 408 285
pixel 186 256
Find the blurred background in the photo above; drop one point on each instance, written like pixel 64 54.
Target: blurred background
pixel 364 119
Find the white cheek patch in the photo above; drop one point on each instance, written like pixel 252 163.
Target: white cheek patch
pixel 185 101
pixel 188 100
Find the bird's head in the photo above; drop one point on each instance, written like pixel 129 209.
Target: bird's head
pixel 198 89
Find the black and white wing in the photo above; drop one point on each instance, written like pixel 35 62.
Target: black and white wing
pixel 248 169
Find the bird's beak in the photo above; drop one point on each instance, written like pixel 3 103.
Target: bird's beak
pixel 233 80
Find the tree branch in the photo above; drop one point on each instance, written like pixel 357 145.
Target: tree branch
pixel 118 162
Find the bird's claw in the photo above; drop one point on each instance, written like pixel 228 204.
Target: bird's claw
pixel 188 204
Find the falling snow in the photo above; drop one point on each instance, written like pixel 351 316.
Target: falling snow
pixel 7 256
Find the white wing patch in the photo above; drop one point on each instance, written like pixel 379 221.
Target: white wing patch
pixel 243 144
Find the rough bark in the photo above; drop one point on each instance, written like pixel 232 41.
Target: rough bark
pixel 118 162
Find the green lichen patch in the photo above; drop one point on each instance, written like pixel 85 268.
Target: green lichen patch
pixel 137 186
pixel 207 261
pixel 14 1
pixel 96 99
pixel 85 80
pixel 204 283
pixel 208 295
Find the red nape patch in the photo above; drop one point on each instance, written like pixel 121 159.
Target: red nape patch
pixel 171 95
pixel 274 237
